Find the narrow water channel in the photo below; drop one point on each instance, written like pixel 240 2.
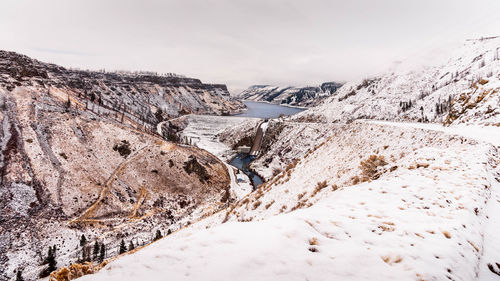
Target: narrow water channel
pixel 265 111
pixel 242 161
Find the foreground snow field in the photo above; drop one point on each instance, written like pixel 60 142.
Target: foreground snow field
pixel 434 217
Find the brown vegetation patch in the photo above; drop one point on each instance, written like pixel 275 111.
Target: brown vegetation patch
pixel 370 167
pixel 75 270
pixel 319 186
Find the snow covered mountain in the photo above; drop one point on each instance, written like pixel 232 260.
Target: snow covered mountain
pixel 297 96
pixel 347 198
pixel 463 90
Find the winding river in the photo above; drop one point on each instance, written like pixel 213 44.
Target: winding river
pixel 265 111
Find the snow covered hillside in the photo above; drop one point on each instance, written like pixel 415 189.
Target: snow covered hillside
pixel 349 196
pixel 420 208
pixel 463 90
pixel 66 171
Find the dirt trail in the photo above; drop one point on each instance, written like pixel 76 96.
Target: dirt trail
pixel 90 211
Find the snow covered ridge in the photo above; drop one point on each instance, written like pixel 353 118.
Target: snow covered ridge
pixel 147 95
pixel 297 96
pixel 463 90
pixel 426 210
pixel 335 160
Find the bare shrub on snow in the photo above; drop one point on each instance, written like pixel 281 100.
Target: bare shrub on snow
pixel 370 167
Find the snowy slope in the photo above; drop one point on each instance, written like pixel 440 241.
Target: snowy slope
pixel 424 220
pixel 363 200
pixel 424 93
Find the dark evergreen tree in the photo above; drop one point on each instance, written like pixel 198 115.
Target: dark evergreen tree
pixel 49 254
pixel 68 103
pixel 102 254
pixel 159 115
pixel 169 232
pixel 158 235
pixel 83 240
pixel 123 248
pixel 19 275
pixel 96 250
pixel 131 246
pixel 51 260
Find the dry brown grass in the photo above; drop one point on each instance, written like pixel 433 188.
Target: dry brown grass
pixel 269 204
pixel 75 270
pixel 387 226
pixel 483 81
pixel 473 246
pixel 256 204
pixel 319 186
pixel 300 195
pixel 300 204
pixel 465 103
pixel 355 180
pixel 422 165
pixel 370 167
pixel 391 260
pixel 313 241
pixel 292 165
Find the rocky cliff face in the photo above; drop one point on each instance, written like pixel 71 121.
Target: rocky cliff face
pixel 147 96
pixel 297 96
pixel 78 156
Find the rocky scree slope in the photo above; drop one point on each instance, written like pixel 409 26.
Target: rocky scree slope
pixel 296 96
pixel 72 165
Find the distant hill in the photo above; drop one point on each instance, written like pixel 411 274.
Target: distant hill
pixel 297 96
pixel 140 93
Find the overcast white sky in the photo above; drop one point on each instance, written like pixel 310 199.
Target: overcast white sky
pixel 241 43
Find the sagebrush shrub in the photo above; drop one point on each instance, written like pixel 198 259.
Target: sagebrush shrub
pixel 370 167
